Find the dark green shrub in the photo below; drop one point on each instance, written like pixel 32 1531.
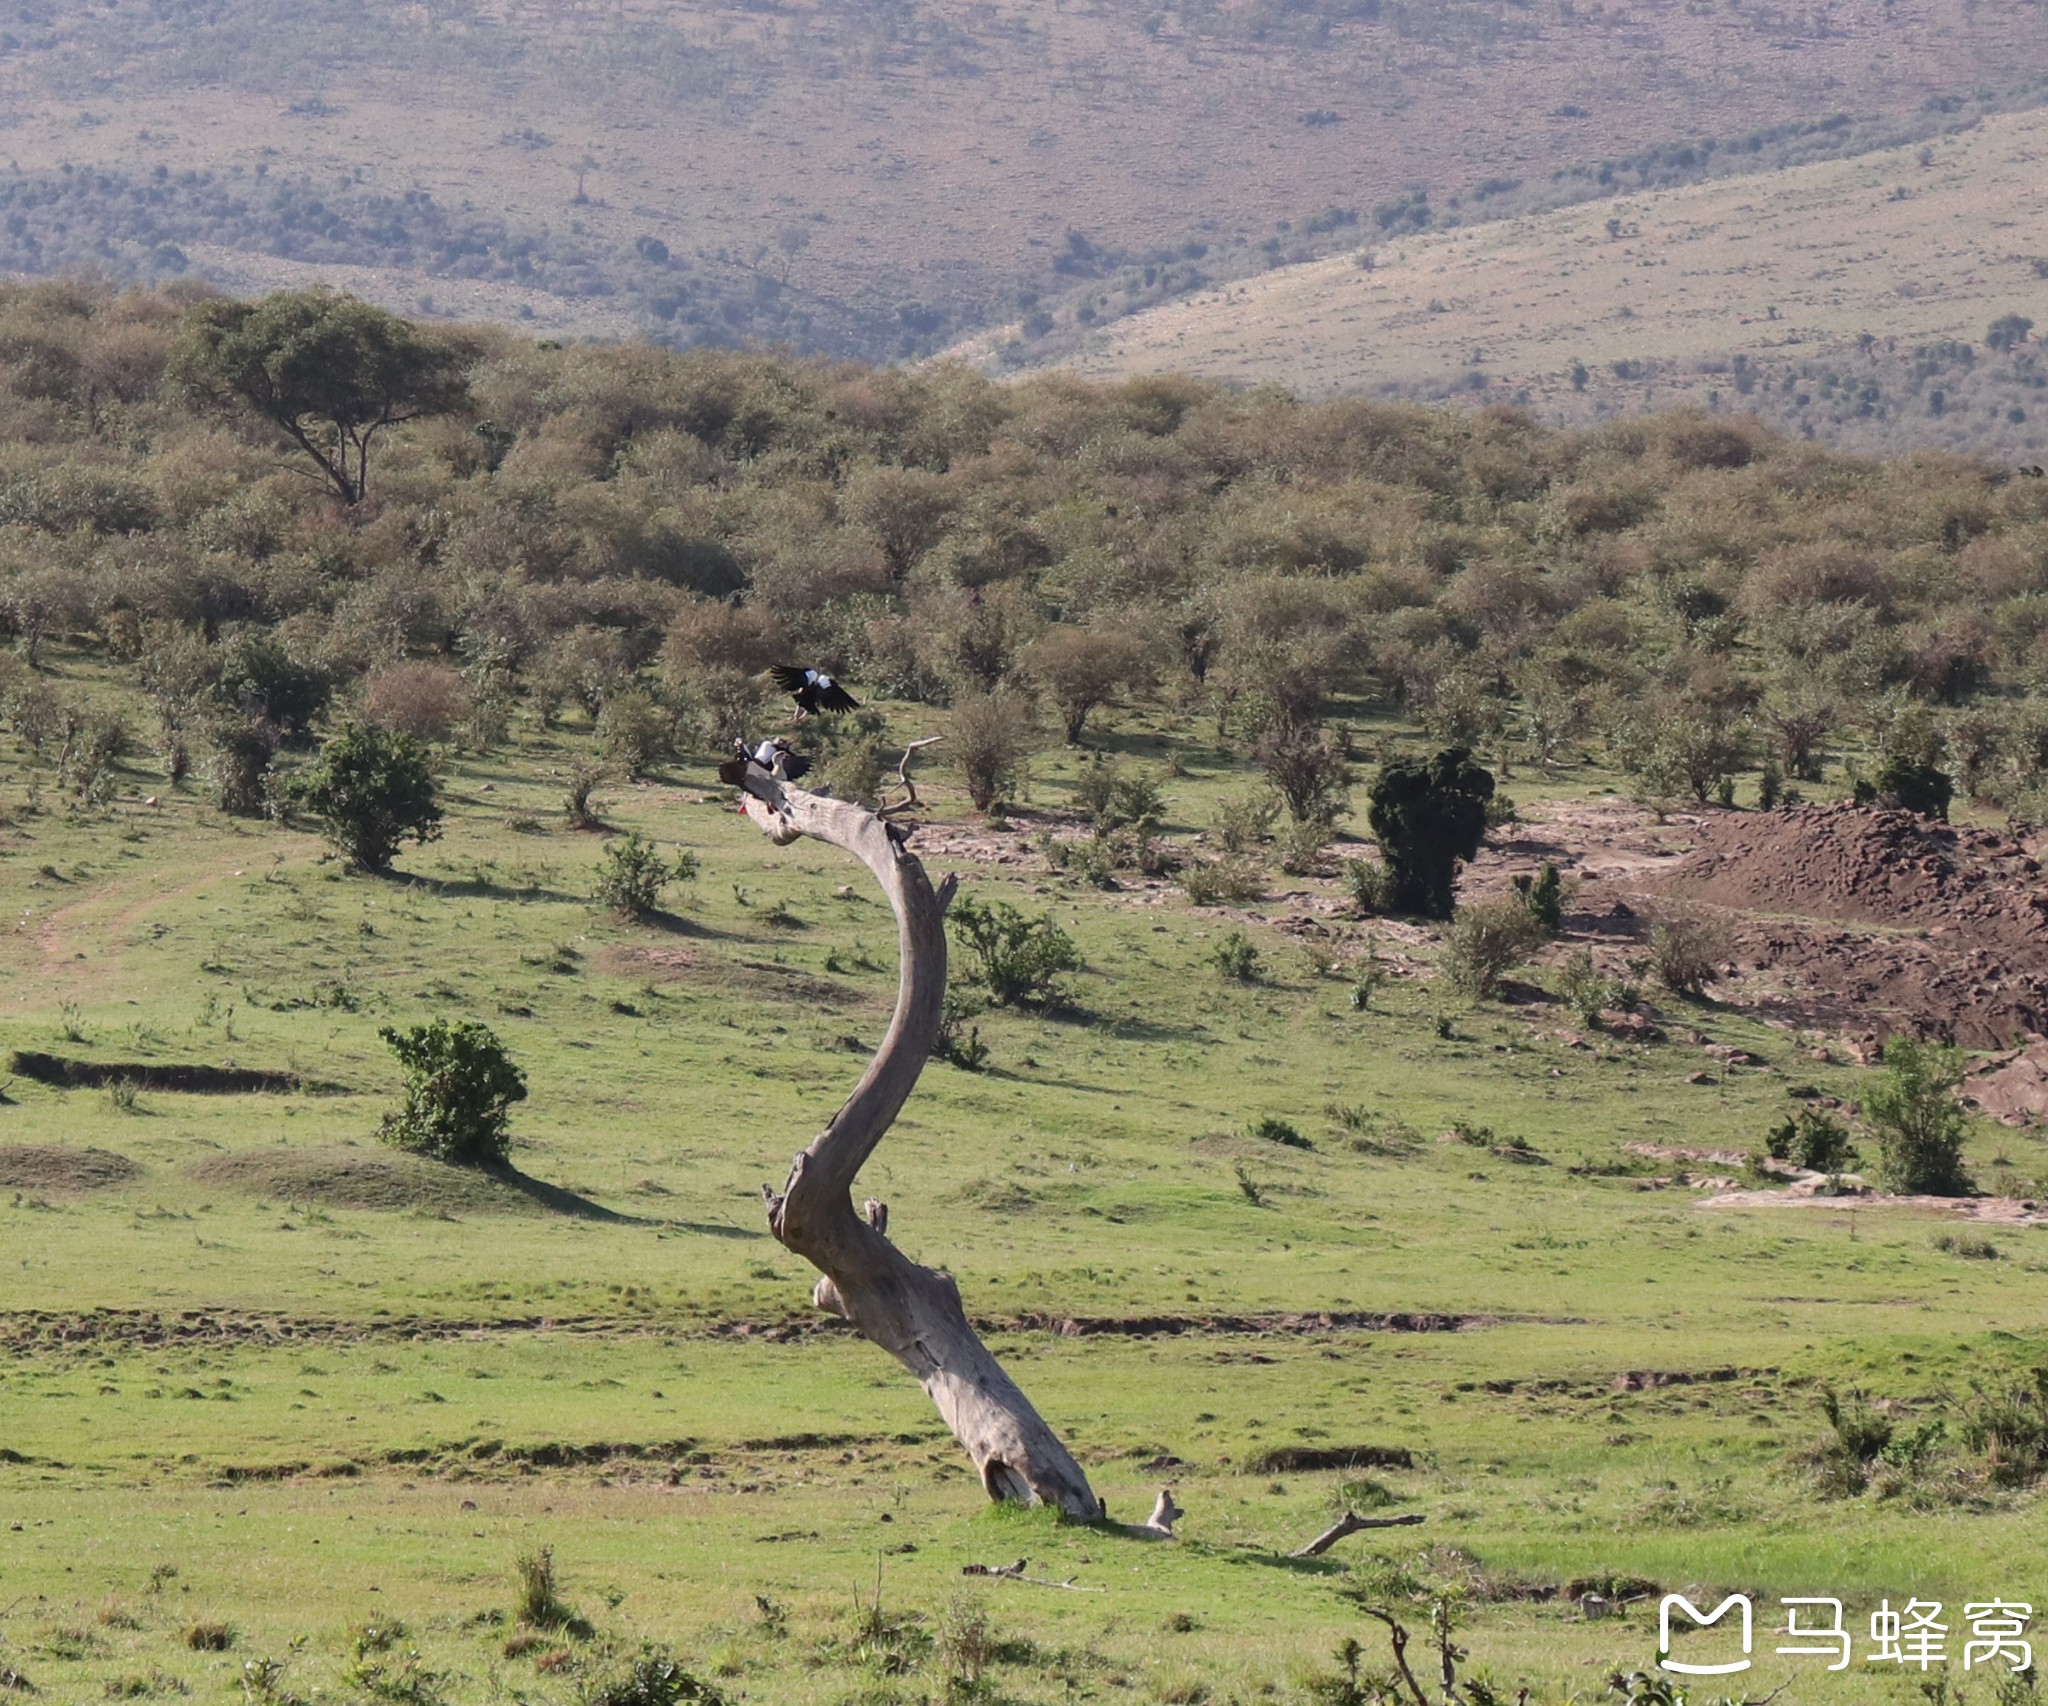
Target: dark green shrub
pixel 1919 1126
pixel 370 791
pixel 1428 815
pixel 1021 960
pixel 631 875
pixel 459 1089
pixel 260 679
pixel 1267 1129
pixel 1811 1139
pixel 1237 958
pixel 1916 785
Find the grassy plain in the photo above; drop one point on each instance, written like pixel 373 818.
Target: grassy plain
pixel 236 1391
pixel 1850 261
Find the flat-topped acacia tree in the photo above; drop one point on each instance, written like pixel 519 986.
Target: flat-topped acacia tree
pixel 913 1312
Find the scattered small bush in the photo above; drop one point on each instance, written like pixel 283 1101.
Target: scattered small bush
pixel 1686 952
pixel 1813 1140
pixel 655 1679
pixel 1243 821
pixel 636 732
pixel 582 811
pixel 959 1041
pixel 459 1089
pixel 370 791
pixel 1971 1246
pixel 1918 1123
pixel 632 874
pixel 210 1637
pixel 1486 941
pixel 539 1604
pixel 1237 958
pixel 1371 885
pixel 1267 1129
pixel 424 700
pixel 2006 1427
pixel 1543 895
pixel 989 738
pixel 1223 882
pixel 1020 960
pixel 1302 844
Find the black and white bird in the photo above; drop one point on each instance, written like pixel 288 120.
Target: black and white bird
pixel 776 756
pixel 780 759
pixel 813 690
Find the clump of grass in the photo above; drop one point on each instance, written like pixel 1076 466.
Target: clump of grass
pixel 2006 1428
pixel 210 1637
pixel 1250 1189
pixel 1267 1129
pixel 1228 881
pixel 1971 1246
pixel 539 1604
pixel 1371 885
pixel 655 1679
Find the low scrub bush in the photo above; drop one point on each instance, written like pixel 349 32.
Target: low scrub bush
pixel 1918 1123
pixel 1237 958
pixel 1486 941
pixel 460 1085
pixel 632 875
pixel 1687 950
pixel 1582 988
pixel 1223 882
pixel 1267 1129
pixel 1371 885
pixel 1243 821
pixel 1022 961
pixel 1813 1140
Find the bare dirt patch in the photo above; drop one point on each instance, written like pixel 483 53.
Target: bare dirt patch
pixel 63 1172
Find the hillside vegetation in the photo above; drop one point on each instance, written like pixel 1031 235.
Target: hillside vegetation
pixel 1270 1194
pixel 1849 298
pixel 873 179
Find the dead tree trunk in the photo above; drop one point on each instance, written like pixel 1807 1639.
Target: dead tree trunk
pixel 912 1312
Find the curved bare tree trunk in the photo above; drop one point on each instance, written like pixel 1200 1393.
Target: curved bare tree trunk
pixel 912 1312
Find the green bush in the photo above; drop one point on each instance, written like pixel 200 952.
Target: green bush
pixel 1020 960
pixel 1267 1129
pixel 370 791
pixel 655 1679
pixel 636 732
pixel 1687 950
pixel 631 875
pixel 1115 799
pixel 1588 994
pixel 1371 885
pixel 1543 895
pixel 1919 1126
pixel 1242 821
pixel 1486 941
pixel 1428 815
pixel 1223 882
pixel 459 1089
pixel 1813 1140
pixel 1237 958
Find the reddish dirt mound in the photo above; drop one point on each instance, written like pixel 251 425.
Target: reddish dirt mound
pixel 65 1172
pixel 1961 951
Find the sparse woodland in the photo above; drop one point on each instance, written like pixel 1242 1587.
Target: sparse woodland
pixel 625 536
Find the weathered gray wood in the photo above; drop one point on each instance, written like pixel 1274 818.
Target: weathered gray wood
pixel 1351 1523
pixel 913 1312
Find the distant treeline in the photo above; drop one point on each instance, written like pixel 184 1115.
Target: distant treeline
pixel 625 536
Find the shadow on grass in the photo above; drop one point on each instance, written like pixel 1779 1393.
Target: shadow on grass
pixel 557 1199
pixel 480 888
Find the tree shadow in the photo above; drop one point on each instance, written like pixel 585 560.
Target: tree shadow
pixel 558 1200
pixel 480 888
pixel 675 924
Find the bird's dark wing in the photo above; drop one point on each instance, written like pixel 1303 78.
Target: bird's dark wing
pixel 732 772
pixel 794 764
pixel 836 698
pixel 787 677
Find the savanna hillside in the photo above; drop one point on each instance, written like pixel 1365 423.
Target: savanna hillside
pixel 876 179
pixel 1260 1191
pixel 629 534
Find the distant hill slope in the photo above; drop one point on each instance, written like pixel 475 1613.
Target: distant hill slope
pixel 868 177
pixel 1871 268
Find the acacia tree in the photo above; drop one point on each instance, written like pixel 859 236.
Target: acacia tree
pixel 913 1312
pixel 329 371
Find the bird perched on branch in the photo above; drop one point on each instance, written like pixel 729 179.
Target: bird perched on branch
pixel 813 690
pixel 776 756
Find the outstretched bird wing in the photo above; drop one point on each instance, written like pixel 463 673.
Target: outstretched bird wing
pixel 836 698
pixel 794 764
pixel 788 677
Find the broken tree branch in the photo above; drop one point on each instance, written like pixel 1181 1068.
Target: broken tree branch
pixel 910 800
pixel 913 1312
pixel 1350 1523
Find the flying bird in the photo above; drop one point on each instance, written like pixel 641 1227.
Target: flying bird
pixel 813 691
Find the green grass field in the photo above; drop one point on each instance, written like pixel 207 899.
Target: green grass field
pixel 276 1381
